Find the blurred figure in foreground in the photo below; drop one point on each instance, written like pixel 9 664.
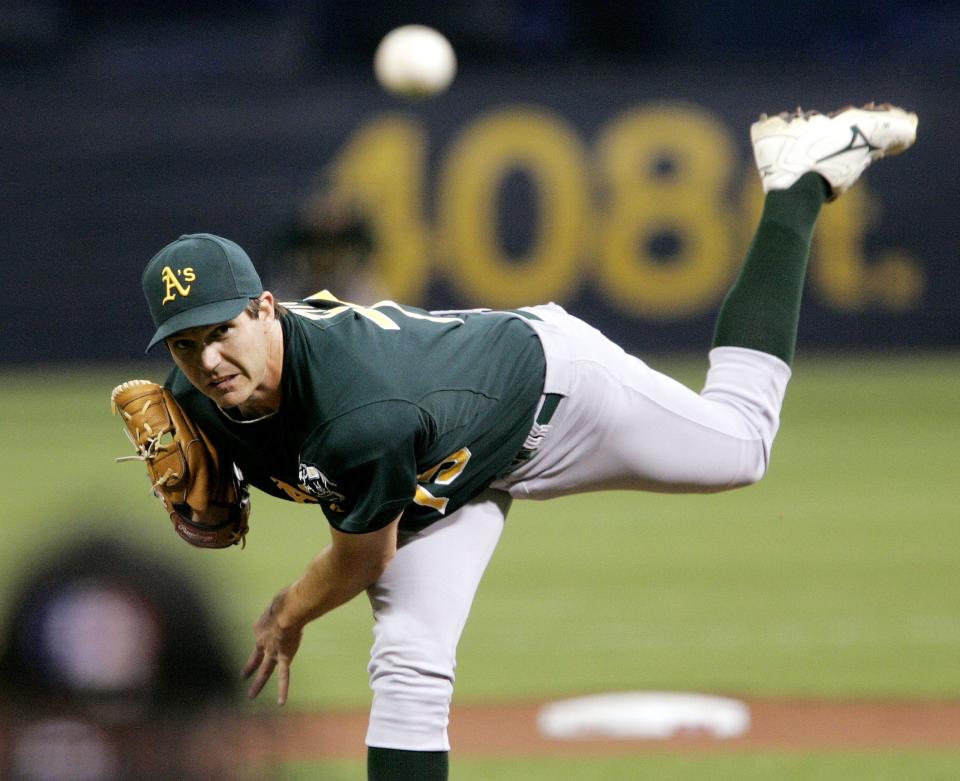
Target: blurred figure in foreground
pixel 111 669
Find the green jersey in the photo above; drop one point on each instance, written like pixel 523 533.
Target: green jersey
pixel 385 410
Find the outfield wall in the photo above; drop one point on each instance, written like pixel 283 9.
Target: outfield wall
pixel 627 194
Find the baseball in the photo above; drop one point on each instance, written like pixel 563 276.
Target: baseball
pixel 414 61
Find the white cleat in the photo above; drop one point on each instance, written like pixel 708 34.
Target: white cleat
pixel 838 146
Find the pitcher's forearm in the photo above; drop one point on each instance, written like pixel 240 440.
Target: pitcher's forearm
pixel 343 569
pixel 327 584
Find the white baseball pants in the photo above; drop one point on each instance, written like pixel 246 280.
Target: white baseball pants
pixel 620 425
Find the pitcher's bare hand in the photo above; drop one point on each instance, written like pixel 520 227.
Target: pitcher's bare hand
pixel 274 649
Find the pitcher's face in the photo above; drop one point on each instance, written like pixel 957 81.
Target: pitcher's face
pixel 229 362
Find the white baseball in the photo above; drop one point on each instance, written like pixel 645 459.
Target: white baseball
pixel 414 61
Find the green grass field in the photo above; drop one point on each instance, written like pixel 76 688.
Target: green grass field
pixel 837 576
pixel 881 766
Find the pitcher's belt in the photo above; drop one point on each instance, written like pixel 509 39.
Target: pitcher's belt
pixel 541 427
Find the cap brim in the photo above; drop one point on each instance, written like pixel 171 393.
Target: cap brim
pixel 208 314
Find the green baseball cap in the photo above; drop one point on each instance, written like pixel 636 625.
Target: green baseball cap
pixel 199 279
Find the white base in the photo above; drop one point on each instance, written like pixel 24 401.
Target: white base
pixel 644 715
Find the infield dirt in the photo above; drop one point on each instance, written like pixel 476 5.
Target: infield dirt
pixel 511 730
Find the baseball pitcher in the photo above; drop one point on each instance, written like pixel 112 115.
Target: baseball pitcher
pixel 414 431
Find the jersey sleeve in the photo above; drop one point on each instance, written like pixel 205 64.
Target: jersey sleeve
pixel 365 465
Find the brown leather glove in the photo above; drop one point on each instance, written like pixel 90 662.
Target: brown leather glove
pixel 204 494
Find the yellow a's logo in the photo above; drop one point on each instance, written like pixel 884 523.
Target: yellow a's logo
pixel 169 277
pixel 295 494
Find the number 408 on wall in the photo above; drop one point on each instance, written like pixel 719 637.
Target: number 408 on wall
pixel 655 215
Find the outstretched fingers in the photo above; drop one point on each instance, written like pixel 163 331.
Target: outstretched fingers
pixel 264 671
pixel 253 662
pixel 264 666
pixel 283 680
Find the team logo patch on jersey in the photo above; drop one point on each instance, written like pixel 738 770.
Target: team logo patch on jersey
pixel 318 485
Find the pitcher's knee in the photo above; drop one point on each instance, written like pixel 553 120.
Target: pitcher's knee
pixel 755 475
pixel 752 466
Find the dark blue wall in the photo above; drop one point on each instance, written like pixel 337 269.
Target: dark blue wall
pixel 98 173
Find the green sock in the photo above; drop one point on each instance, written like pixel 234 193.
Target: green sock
pixel 762 309
pixel 390 764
